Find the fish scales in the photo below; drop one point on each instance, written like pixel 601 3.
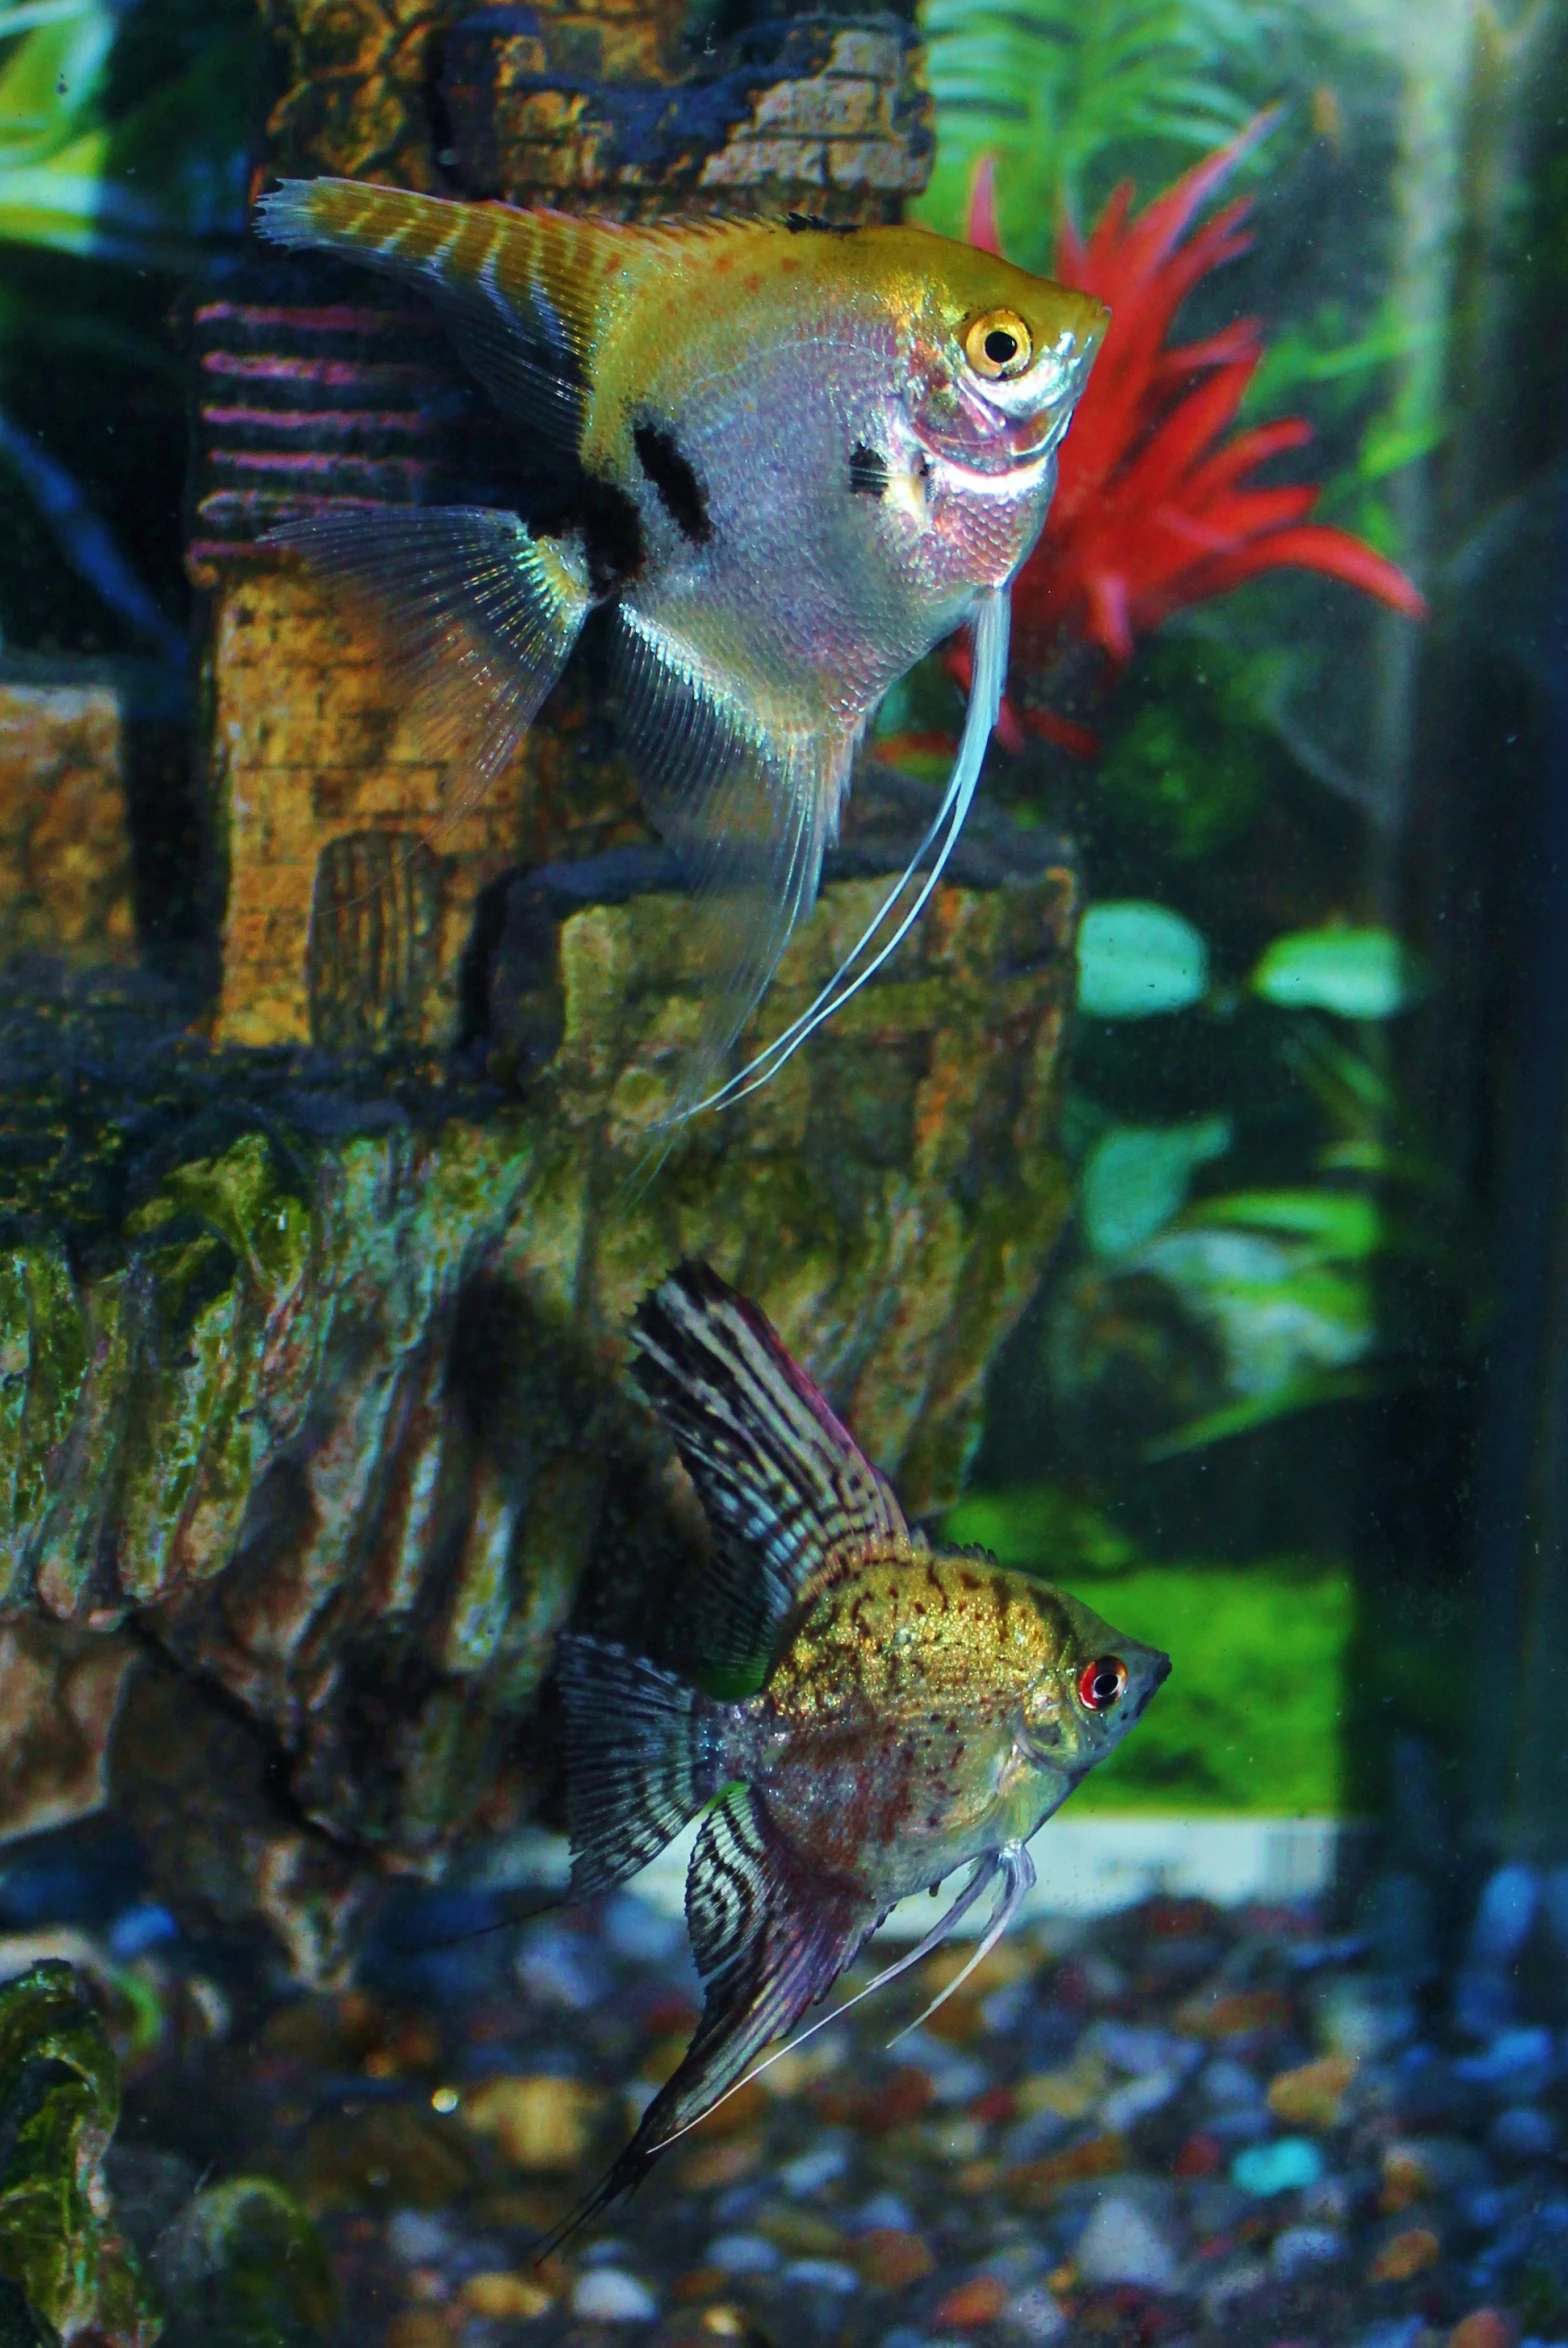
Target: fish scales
pixel 887 1729
pixel 787 465
pixel 910 1712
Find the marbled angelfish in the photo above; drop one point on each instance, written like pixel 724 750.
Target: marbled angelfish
pixel 795 459
pixel 913 1710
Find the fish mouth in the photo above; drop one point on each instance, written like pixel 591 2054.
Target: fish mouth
pixel 989 444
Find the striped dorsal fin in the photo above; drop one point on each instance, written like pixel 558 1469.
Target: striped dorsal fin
pixel 525 294
pixel 783 1483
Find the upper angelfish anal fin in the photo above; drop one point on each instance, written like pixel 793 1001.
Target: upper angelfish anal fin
pixel 748 802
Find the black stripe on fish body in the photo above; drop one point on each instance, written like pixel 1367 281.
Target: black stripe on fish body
pixel 613 544
pixel 868 474
pixel 813 224
pixel 681 494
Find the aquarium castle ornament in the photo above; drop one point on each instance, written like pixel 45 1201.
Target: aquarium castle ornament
pixel 791 459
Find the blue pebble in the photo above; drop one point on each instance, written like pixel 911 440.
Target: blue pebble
pixel 1286 2166
pixel 885 2209
pixel 1511 2055
pixel 812 2170
pixel 822 2274
pixel 139 1929
pixel 1504 1917
pixel 1523 2132
pixel 1401 2331
pixel 742 2254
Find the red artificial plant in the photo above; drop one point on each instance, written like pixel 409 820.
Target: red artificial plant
pixel 1156 505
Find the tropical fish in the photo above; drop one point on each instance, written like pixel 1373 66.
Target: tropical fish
pixel 787 459
pixel 873 1713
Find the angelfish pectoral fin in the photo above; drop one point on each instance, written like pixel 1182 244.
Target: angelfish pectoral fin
pixel 769 1936
pixel 1015 1868
pixel 481 614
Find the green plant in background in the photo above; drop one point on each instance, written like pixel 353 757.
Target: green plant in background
pixel 1060 92
pixel 58 188
pixel 1284 1281
pixel 242 2267
pixel 122 142
pixel 1193 762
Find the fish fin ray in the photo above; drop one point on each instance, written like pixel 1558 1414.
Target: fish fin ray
pixel 487 614
pixel 783 1483
pixel 749 810
pixel 522 292
pixel 769 1938
pixel 990 672
pixel 634 1759
pixel 1016 1869
pixel 516 290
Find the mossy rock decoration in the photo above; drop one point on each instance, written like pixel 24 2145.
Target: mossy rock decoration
pixel 334 1413
pixel 241 2266
pixel 70 2274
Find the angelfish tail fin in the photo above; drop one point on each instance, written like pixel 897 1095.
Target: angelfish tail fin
pixel 641 1758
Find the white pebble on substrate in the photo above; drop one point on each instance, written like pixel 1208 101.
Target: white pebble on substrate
pixel 608 2295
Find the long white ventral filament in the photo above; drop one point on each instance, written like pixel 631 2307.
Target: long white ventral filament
pixel 985 700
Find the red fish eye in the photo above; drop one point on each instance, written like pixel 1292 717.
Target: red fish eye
pixel 1100 1683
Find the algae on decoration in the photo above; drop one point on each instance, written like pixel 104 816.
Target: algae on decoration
pixel 241 2267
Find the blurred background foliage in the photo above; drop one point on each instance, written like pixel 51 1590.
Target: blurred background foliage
pixel 125 133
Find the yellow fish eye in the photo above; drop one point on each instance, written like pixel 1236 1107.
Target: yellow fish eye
pixel 998 344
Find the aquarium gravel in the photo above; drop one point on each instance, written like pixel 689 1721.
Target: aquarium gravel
pixel 1173 2125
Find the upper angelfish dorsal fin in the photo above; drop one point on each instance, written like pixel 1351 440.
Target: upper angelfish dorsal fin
pixel 783 1483
pixel 521 291
pixel 526 294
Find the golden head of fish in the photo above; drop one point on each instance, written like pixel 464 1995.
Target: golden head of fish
pixel 997 361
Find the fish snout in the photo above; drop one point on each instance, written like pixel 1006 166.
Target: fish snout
pixel 1151 1669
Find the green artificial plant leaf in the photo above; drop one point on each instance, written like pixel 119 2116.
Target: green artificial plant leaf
pixel 59 2105
pixel 1355 973
pixel 1138 1176
pixel 1343 1226
pixel 1137 960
